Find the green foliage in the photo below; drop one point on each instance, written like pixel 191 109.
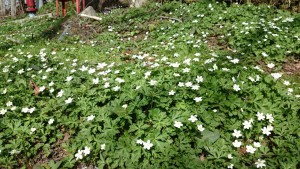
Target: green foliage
pixel 162 86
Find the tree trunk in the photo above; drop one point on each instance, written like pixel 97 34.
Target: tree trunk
pixel 2 7
pixel 13 8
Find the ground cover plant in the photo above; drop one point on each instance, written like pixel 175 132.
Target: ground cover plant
pixel 164 86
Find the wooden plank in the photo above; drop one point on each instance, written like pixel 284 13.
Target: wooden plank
pixel 13 9
pixel 2 7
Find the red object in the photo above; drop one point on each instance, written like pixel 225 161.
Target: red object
pixel 30 6
pixel 64 9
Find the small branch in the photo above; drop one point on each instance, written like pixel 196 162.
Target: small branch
pixel 91 17
pixel 13 40
pixel 175 19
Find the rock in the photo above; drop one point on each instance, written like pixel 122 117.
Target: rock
pixel 90 11
pixel 138 3
pixel 133 3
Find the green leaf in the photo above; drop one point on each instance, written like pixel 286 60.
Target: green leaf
pixel 211 136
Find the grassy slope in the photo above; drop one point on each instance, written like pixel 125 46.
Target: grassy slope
pixel 148 30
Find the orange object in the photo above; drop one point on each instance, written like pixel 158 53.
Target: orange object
pixel 64 8
pixel 30 6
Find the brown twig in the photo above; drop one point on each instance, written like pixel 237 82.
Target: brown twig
pixel 165 17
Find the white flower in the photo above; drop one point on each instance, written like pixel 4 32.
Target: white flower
pixel 290 91
pixel 235 61
pixel 9 103
pixel 119 80
pixel 229 156
pixel 187 61
pixel 147 145
pixel 237 133
pixel 51 90
pixel 79 155
pixel 196 59
pixel 176 55
pixel 21 71
pixel 44 77
pixel 69 78
pixel 176 74
pixel 32 130
pixel 106 85
pixel 186 70
pixel 42 88
pixel 200 127
pixel 188 84
pixel 247 124
pixel 153 82
pixel 69 100
pixel 198 99
pixel 90 118
pixel 86 150
pixel 51 83
pixel 193 118
pixel 256 144
pixel 270 128
pixel 260 116
pixel 25 110
pixel 270 117
pixel 124 106
pixel 287 83
pixel 276 75
pixel 96 81
pixel 236 144
pixel 178 124
pixel 230 166
pixel 175 65
pixel 199 79
pixel 91 71
pixel 250 149
pixel 50 121
pixel 83 68
pixel 139 141
pixel 264 54
pixel 102 146
pixel 13 108
pixel 195 87
pixel 31 110
pixel 271 65
pixel 60 93
pixel 197 54
pixel 171 93
pixel 147 74
pixel 3 111
pixel 260 163
pixel 4 91
pixel 236 87
pixel 233 79
pixel 116 88
pixel 266 131
pixel 180 84
pixel 14 152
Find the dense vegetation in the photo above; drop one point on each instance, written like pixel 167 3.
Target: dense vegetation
pixel 177 85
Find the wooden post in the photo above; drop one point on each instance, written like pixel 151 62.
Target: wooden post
pixel 77 6
pixel 83 4
pixel 13 7
pixel 64 10
pixel 57 7
pixel 2 7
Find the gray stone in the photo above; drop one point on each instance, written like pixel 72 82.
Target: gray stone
pixel 138 3
pixel 89 11
pixel 133 3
